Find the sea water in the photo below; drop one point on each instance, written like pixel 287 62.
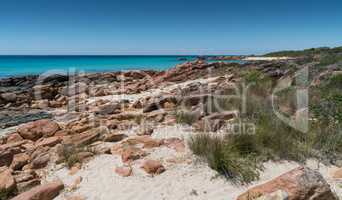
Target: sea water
pixel 31 65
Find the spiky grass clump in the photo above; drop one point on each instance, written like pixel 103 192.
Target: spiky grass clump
pixel 224 158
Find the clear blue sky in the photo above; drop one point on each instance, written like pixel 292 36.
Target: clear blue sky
pixel 167 27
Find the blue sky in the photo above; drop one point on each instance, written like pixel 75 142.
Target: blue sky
pixel 167 27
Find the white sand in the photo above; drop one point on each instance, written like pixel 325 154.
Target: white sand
pixel 180 181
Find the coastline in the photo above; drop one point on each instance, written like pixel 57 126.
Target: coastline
pixel 126 124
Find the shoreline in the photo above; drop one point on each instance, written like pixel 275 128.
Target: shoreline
pixel 130 125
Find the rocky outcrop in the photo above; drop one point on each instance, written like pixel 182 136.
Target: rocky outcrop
pixel 13 118
pixel 19 161
pixel 44 192
pixel 8 97
pixel 7 182
pixel 300 184
pixel 37 129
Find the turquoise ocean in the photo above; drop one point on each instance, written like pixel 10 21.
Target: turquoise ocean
pixel 32 65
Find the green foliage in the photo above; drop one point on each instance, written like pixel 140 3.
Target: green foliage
pixel 70 155
pixel 329 59
pixel 258 82
pixel 335 82
pixel 238 156
pixel 253 76
pixel 225 158
pixel 306 52
pixel 4 195
pixel 329 109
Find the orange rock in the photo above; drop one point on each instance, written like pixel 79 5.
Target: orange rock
pixel 113 137
pixel 85 138
pixel 300 184
pixel 131 153
pixel 145 131
pixel 37 129
pixel 50 142
pixel 7 182
pixel 42 192
pixel 153 167
pixel 124 171
pixel 174 143
pixel 169 105
pixel 14 137
pixel 19 161
pixel 337 174
pixel 146 140
pixel 40 161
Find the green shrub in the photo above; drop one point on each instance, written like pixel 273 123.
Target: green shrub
pixel 70 155
pixel 306 52
pixel 329 59
pixel 335 83
pixel 253 76
pixel 238 156
pixel 4 195
pixel 225 158
pixel 72 160
pixel 258 83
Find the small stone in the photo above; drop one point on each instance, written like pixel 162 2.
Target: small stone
pixel 124 171
pixel 50 142
pixel 41 161
pixel 19 160
pixel 153 167
pixel 145 131
pixel 131 153
pixel 114 137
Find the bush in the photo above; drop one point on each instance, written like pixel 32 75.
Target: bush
pixel 4 195
pixel 306 52
pixel 238 157
pixel 258 83
pixel 70 155
pixel 329 59
pixel 225 158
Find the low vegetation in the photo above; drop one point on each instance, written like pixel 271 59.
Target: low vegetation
pixel 226 158
pixel 307 52
pixel 4 195
pixel 239 157
pixel 71 154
